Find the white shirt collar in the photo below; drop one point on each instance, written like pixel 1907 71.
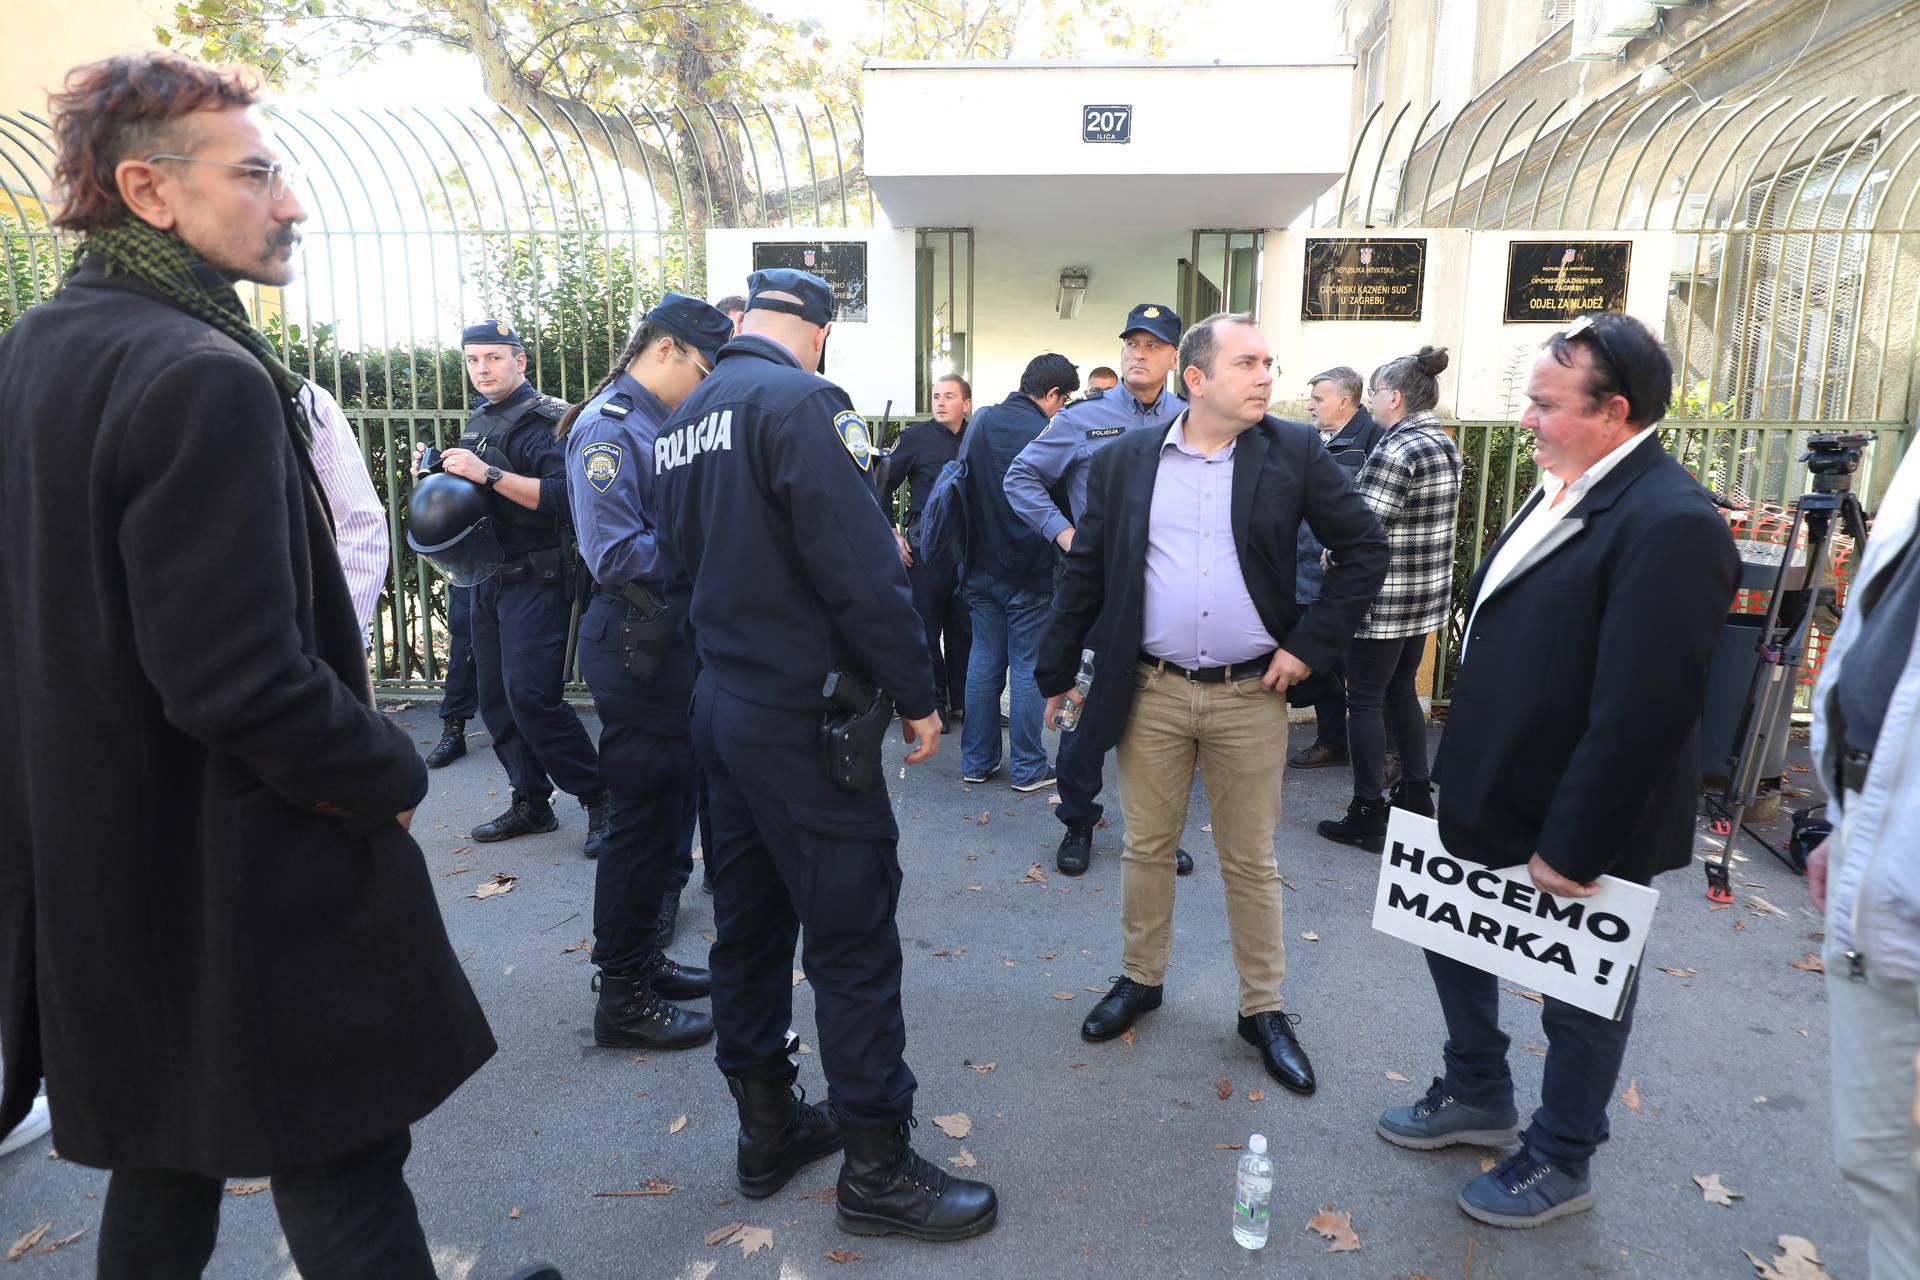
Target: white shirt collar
pixel 1552 484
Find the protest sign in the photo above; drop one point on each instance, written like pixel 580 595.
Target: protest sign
pixel 1584 951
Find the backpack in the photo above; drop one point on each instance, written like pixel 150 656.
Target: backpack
pixel 945 519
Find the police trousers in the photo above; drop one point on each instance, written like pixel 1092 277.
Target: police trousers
pixel 646 761
pixel 459 696
pixel 520 656
pixel 792 849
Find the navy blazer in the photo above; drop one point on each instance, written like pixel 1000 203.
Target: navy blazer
pixel 1282 475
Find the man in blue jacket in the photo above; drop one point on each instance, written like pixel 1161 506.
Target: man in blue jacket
pixel 1009 583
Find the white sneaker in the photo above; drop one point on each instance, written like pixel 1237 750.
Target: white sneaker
pixel 28 1131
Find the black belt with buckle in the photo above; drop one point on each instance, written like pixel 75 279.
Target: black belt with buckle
pixel 1211 675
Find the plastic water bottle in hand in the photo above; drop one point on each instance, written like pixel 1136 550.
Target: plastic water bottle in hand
pixel 1068 716
pixel 1253 1195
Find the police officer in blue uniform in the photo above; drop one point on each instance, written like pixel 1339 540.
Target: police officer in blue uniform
pixel 1047 488
pixel 638 661
pixel 460 692
pixel 807 640
pixel 520 614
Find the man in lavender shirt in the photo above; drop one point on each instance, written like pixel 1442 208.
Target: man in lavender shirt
pixel 1182 568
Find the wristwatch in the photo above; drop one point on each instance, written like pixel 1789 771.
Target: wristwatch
pixel 493 476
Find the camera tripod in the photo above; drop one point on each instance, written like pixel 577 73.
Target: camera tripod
pixel 1784 635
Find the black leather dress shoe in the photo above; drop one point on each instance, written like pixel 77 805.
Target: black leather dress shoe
pixel 1119 1009
pixel 1280 1051
pixel 678 981
pixel 1182 863
pixel 1076 849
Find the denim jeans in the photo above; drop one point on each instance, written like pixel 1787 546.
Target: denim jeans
pixel 1007 625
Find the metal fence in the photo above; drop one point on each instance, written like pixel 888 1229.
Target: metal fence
pixel 422 219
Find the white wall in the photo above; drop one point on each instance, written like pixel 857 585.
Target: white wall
pixel 1017 277
pixel 873 360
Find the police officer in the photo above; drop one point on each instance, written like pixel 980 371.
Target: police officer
pixel 520 613
pixel 762 480
pixel 1053 468
pixel 638 661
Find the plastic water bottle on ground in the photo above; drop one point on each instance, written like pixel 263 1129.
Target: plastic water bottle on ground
pixel 1253 1195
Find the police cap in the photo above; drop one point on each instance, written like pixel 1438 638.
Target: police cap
pixel 1150 317
pixel 815 304
pixel 489 332
pixel 701 326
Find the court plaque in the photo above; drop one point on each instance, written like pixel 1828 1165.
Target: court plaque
pixel 1552 281
pixel 841 263
pixel 1364 279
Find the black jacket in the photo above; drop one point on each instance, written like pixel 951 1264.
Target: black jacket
pixel 1350 447
pixel 214 968
pixel 916 459
pixel 1574 729
pixel 999 543
pixel 1282 475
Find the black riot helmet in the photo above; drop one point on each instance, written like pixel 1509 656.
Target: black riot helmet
pixel 450 521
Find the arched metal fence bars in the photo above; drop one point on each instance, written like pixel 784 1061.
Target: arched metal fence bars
pixel 566 222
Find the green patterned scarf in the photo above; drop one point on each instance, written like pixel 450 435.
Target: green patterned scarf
pixel 185 279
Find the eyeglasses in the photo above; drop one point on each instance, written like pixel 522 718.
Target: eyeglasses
pixel 1584 325
pixel 275 179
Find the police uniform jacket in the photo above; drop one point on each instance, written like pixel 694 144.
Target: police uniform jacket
pixel 1055 465
pixel 768 522
pixel 520 427
pixel 215 940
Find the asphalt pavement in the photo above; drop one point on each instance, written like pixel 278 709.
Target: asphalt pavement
pixel 1108 1158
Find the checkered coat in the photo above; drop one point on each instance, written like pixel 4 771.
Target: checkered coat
pixel 1412 483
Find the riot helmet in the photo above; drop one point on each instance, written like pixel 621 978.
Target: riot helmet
pixel 450 521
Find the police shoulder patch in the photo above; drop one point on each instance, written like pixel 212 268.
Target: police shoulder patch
pixel 601 462
pixel 853 434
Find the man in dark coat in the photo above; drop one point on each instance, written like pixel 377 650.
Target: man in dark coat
pixel 1573 742
pixel 231 962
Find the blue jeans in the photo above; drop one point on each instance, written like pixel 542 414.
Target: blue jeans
pixel 1007 624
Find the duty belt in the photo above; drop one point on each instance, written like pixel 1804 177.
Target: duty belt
pixel 1211 675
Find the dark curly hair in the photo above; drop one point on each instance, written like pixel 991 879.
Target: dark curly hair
pixel 128 107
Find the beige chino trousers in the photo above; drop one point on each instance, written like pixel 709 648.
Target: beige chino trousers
pixel 1237 735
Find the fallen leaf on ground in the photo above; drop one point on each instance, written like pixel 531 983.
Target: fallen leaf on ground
pixel 677 1125
pixel 1208 828
pixel 799 976
pixel 457 871
pixel 1051 955
pixel 18 1249
pixel 1487 1163
pixel 1679 973
pixel 655 1186
pixel 499 883
pixel 1065 995
pixel 1130 1036
pixel 1524 995
pixel 1257 1095
pixel 1224 1087
pixel 841 1256
pixel 1798 1260
pixel 1053 799
pixel 1099 991
pixel 945 951
pixel 1395 1075
pixel 1739 926
pixel 1761 907
pixel 964 1160
pixel 582 945
pixel 824 1195
pixel 1035 875
pixel 1007 962
pixel 1537 1050
pixel 753 1239
pixel 982 1067
pixel 1721 906
pixel 1310 936
pixel 1290 884
pixel 720 1235
pixel 1715 1191
pixel 986 816
pixel 974 888
pixel 1809 962
pixel 1337 1227
pixel 957 1125
pixel 459 849
pixel 513 1214
pixel 1229 1146
pixel 61 1243
pixel 1631 1098
pixel 252 1188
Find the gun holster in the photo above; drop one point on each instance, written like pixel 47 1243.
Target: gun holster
pixel 852 730
pixel 646 633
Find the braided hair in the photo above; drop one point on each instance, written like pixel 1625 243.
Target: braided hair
pixel 645 336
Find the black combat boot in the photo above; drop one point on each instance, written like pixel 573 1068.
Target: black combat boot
pixel 1365 825
pixel 1414 797
pixel 667 923
pixel 526 817
pixel 596 825
pixel 452 744
pixel 677 981
pixel 888 1187
pixel 780 1132
pixel 631 1015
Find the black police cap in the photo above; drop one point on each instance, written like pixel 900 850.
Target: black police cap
pixel 814 297
pixel 489 332
pixel 700 325
pixel 1150 317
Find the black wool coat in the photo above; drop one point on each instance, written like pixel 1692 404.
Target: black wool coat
pixel 1574 730
pixel 216 944
pixel 1283 478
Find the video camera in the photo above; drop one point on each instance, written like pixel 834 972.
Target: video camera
pixel 1833 457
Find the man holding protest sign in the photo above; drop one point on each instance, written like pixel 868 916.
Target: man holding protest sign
pixel 1572 746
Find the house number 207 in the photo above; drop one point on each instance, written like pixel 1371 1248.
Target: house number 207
pixel 1106 122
